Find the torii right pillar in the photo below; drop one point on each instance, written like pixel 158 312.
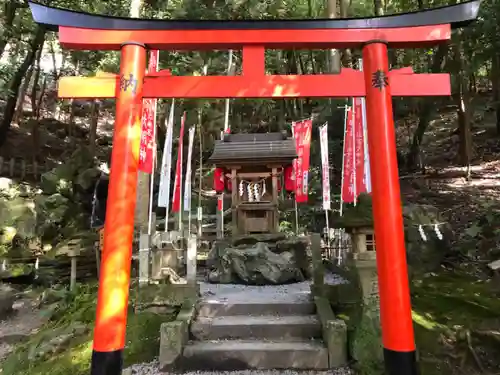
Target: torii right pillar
pixel 395 305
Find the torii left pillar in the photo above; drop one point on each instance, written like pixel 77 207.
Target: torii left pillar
pixel 114 279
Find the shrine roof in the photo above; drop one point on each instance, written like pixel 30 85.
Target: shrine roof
pixel 254 148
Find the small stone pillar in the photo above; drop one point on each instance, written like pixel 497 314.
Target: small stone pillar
pixel 144 249
pixel 73 253
pixel 365 262
pixel 367 338
pixel 191 258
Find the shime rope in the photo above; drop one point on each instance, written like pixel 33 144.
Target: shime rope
pixel 435 227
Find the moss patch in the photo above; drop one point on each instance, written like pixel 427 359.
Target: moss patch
pixel 450 311
pixel 71 324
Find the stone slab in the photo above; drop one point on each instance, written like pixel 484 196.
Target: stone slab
pixel 231 355
pixel 216 308
pixel 257 327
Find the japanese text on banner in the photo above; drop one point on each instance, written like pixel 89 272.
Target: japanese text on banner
pixel 348 185
pixel 148 122
pixel 359 147
pixel 325 167
pixel 302 135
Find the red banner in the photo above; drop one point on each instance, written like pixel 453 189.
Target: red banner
pixel 147 145
pixel 348 169
pixel 176 202
pixel 220 199
pixel 302 135
pixel 359 141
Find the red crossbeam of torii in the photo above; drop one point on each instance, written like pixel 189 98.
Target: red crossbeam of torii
pixel 256 84
pixel 376 83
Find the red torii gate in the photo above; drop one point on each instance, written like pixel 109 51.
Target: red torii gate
pixel 85 31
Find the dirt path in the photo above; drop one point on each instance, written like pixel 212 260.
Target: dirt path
pixel 25 320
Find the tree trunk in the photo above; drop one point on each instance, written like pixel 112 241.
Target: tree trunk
pixel 72 107
pixel 426 107
pixel 135 8
pixel 94 120
pixel 463 97
pixel 36 78
pixel 378 7
pixel 22 95
pixel 40 98
pixel 17 79
pixel 495 84
pixel 344 11
pixel 9 14
pixel 333 54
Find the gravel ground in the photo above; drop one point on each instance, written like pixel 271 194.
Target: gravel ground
pixel 25 320
pixel 152 369
pixel 244 293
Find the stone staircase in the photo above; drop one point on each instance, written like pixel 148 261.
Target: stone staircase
pixel 282 332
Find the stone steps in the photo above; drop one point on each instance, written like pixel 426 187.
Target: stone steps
pixel 218 308
pixel 257 327
pixel 230 355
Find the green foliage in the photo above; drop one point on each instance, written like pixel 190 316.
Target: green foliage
pixel 64 345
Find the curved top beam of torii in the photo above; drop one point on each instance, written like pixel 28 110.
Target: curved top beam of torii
pixel 78 30
pixel 458 15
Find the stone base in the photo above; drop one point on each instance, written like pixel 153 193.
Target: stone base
pixel 174 336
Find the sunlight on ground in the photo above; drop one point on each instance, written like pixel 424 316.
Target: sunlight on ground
pixel 81 354
pixel 425 321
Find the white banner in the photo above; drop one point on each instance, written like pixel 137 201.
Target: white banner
pixel 166 164
pixel 368 178
pixel 187 184
pixel 325 166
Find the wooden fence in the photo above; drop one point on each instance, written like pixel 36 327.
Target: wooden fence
pixel 19 168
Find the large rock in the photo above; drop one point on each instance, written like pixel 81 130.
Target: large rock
pixel 52 208
pixel 300 248
pixel 425 254
pixel 58 180
pixel 253 265
pixel 86 179
pixel 62 178
pixel 252 239
pixel 19 214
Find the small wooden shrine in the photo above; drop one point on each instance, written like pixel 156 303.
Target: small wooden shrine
pixel 253 168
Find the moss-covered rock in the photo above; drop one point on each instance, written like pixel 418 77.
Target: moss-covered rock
pixel 423 254
pixel 75 171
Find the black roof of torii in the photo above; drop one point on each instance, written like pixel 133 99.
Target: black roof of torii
pixel 457 15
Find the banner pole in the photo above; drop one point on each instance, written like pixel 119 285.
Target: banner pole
pixel 181 156
pixel 226 127
pixel 188 183
pixel 296 217
pixel 343 157
pixel 153 168
pixel 325 176
pixel 354 187
pixel 327 230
